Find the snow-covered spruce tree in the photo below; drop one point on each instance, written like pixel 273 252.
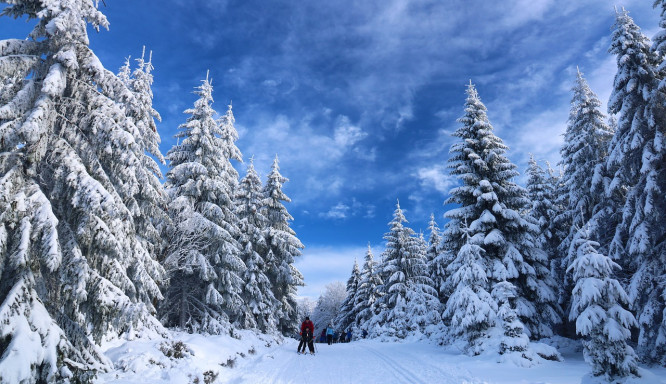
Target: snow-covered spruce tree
pixel 634 204
pixel 366 294
pixel 559 228
pixel 203 262
pixel 230 285
pixel 543 209
pixel 393 268
pixel 598 304
pixel 438 259
pixel 257 292
pixel 152 218
pixel 403 265
pixel 471 311
pixel 148 207
pixel 346 316
pixel 283 248
pixel 514 344
pixel 584 150
pixel 634 81
pixel 434 241
pixel 542 186
pixel 647 231
pixel 423 308
pixel 494 207
pixel 73 270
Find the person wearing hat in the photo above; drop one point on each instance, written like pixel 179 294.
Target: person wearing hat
pixel 307 330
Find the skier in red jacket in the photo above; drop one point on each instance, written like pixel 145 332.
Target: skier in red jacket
pixel 307 330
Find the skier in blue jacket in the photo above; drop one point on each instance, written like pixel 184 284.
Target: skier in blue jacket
pixel 329 334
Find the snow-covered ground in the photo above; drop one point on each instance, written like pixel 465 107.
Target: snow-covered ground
pixel 261 359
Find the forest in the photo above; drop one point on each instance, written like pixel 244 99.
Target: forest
pixel 97 244
pixel 579 252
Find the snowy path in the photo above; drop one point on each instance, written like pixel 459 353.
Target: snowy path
pixel 259 360
pixel 357 362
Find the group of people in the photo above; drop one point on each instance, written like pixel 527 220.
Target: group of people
pixel 328 335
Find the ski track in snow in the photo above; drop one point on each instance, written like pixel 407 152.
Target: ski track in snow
pixel 265 361
pixel 400 372
pixel 356 362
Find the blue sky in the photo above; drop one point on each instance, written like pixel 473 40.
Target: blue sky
pixel 358 98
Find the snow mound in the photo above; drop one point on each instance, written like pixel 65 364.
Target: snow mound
pixel 182 357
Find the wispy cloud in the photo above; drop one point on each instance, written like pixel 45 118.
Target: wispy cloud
pixel 354 208
pixel 312 149
pixel 437 177
pixel 339 211
pixel 368 62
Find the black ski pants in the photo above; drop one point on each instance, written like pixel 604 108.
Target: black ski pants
pixel 306 340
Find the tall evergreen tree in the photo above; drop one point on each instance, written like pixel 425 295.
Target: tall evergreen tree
pixel 647 234
pixel 423 307
pixel 558 229
pixel 636 171
pixel 634 81
pixel 230 284
pixel 73 268
pixel 257 290
pixel 492 212
pixel 149 205
pixel 366 294
pixel 404 274
pixel 541 187
pixel 346 316
pixel 283 248
pixel 434 240
pixel 598 308
pixel 543 209
pixel 437 259
pixel 394 268
pixel 203 260
pixel 584 150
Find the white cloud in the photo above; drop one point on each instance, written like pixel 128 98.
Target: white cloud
pixel 520 12
pixel 436 177
pixel 339 211
pixel 306 155
pixel 347 134
pixel 315 151
pixel 352 209
pixel 323 265
pixel 365 153
pixel 542 135
pixel 369 212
